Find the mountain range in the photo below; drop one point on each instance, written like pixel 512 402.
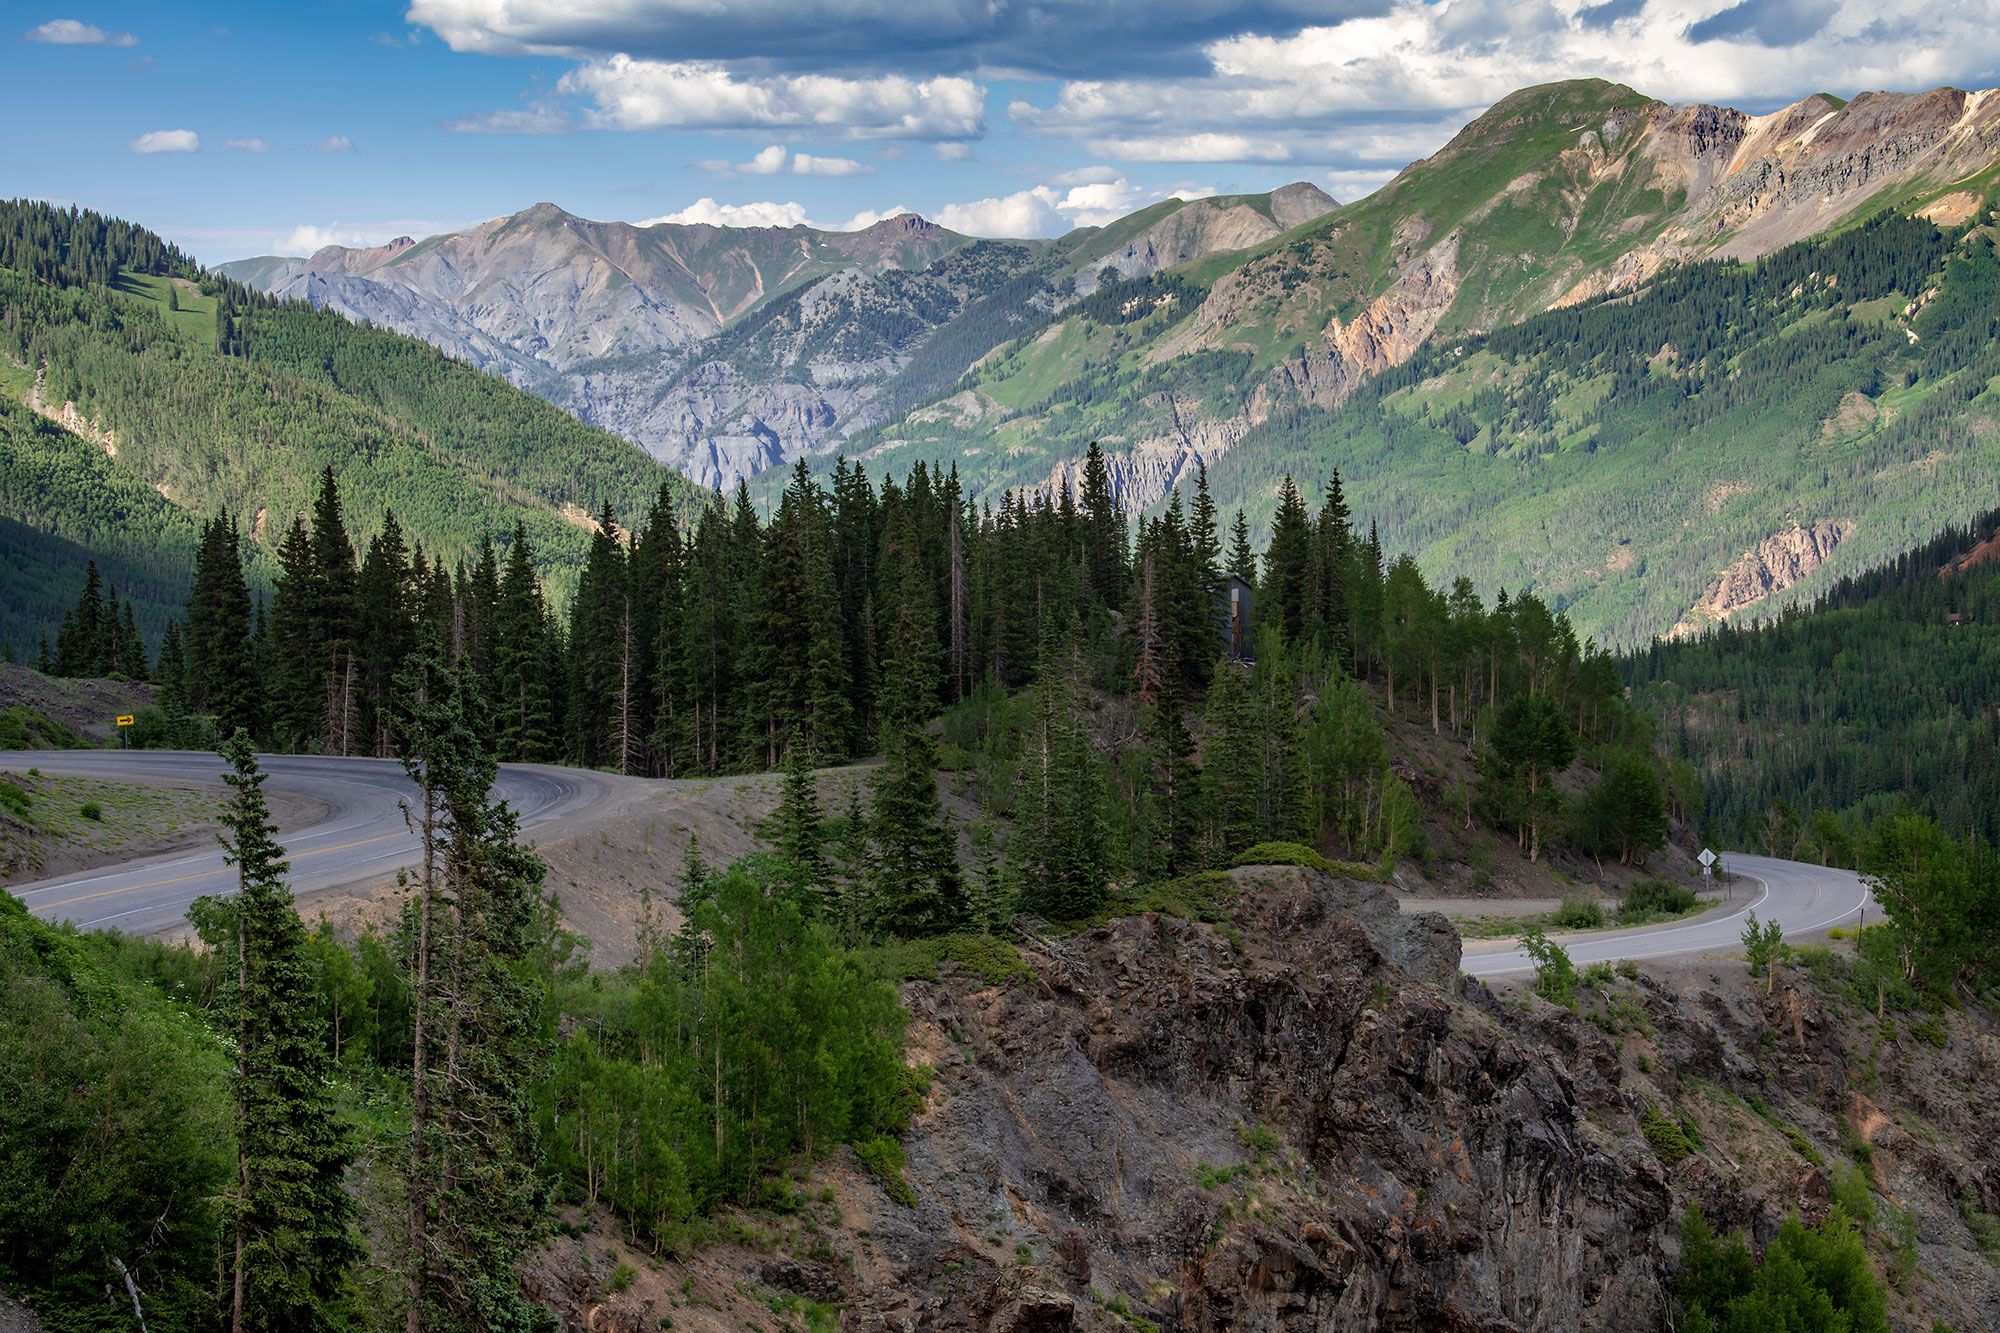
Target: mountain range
pixel 1422 341
pixel 724 351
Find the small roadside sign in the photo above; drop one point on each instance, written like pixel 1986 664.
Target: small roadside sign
pixel 1707 859
pixel 124 719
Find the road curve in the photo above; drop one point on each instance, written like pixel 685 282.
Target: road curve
pixel 1803 899
pixel 362 836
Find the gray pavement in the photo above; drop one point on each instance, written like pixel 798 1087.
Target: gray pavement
pixel 362 837
pixel 1803 899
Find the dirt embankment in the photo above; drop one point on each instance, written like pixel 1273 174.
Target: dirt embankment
pixel 88 707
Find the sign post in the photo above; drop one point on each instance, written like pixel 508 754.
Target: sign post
pixel 124 721
pixel 1707 859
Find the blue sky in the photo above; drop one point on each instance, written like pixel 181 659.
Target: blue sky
pixel 251 129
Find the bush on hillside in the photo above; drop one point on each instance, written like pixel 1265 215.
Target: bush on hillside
pixel 1654 899
pixel 1578 914
pixel 1284 854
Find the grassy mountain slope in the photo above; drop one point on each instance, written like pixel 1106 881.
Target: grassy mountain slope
pixel 157 426
pixel 1363 339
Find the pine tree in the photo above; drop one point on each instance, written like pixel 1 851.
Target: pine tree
pixel 1333 542
pixel 294 1244
pixel 131 663
pixel 1173 789
pixel 329 600
pixel 474 1198
pixel 522 703
pixel 1286 588
pixel 1058 860
pixel 915 885
pixel 384 623
pixel 1242 560
pixel 294 658
pixel 798 827
pixel 1104 532
pixel 1232 762
pixel 218 640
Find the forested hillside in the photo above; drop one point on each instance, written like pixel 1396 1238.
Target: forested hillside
pixel 1616 457
pixel 183 396
pixel 1882 695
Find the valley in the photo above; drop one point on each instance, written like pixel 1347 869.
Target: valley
pixel 1261 336
pixel 769 778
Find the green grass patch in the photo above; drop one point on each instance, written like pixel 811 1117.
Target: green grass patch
pixel 993 960
pixel 22 728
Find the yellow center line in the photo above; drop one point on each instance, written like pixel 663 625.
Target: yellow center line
pixel 154 884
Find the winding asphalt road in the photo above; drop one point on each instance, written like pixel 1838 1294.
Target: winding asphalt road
pixel 362 836
pixel 1803 899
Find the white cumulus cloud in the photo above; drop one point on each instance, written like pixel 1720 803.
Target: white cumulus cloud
pixel 1394 85
pixel 706 210
pixel 248 145
pixel 1047 210
pixel 769 214
pixel 166 141
pixel 338 143
pixel 307 237
pixel 70 32
pixel 629 94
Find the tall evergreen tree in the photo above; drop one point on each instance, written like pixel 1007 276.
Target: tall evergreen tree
pixel 798 827
pixel 218 640
pixel 915 885
pixel 331 606
pixel 294 1245
pixel 1058 858
pixel 474 1198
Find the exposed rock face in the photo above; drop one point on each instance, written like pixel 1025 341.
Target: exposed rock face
pixel 1205 227
pixel 1774 565
pixel 637 329
pixel 1441 1171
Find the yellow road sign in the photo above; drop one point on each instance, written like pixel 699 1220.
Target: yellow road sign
pixel 125 720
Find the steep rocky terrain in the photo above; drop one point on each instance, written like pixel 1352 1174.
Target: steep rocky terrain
pixel 1775 565
pixel 1304 1118
pixel 728 351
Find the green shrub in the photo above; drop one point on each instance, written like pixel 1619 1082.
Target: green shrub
pixel 92 810
pixel 1984 1226
pixel 1653 899
pixel 15 798
pixel 993 960
pixel 622 1276
pixel 1808 1278
pixel 1850 1191
pixel 22 728
pixel 1578 914
pixel 1284 854
pixel 1930 1030
pixel 1668 1137
pixel 883 1156
pixel 1191 897
pixel 1555 975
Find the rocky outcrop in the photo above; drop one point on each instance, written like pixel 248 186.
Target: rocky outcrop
pixel 1418 1165
pixel 1775 564
pixel 1206 227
